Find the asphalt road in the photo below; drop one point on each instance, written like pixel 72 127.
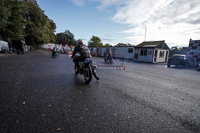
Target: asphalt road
pixel 40 94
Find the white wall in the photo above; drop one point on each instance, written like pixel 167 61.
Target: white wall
pixel 161 59
pixel 93 50
pixel 116 51
pixel 50 46
pixel 100 51
pixel 148 57
pixel 123 52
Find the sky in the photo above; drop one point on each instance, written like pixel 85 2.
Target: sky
pixel 127 21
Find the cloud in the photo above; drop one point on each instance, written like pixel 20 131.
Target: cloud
pixel 103 4
pixel 108 35
pixel 79 2
pixel 107 3
pixel 175 21
pixel 108 39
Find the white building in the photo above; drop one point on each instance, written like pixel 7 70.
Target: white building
pixel 126 52
pixel 152 51
pixel 49 46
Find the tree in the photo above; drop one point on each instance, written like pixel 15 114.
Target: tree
pixel 39 28
pixel 174 50
pixel 65 38
pixel 178 50
pixel 183 50
pixel 4 15
pixel 24 19
pixel 51 26
pixel 107 45
pixel 95 42
pixel 12 19
pixel 123 44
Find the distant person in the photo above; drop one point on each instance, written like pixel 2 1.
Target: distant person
pixel 108 56
pixel 54 51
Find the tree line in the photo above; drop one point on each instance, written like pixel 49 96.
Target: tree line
pixel 68 38
pixel 178 50
pixel 25 20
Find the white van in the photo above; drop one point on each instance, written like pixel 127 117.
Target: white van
pixel 4 47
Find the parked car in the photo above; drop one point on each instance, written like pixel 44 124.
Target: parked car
pixel 4 47
pixel 13 50
pixel 18 45
pixel 178 60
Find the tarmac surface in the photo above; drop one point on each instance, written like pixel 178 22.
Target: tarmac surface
pixel 41 94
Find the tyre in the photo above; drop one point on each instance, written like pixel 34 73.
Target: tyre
pixel 168 65
pixel 105 59
pixel 88 74
pixel 76 70
pixel 95 73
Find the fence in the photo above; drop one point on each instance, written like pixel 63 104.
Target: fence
pixel 101 60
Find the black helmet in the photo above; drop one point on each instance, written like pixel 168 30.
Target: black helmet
pixel 79 41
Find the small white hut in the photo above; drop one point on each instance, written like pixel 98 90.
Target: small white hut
pixel 152 51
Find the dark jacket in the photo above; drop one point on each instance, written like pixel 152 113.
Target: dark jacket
pixel 83 50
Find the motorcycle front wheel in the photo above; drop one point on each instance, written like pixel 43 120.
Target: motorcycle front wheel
pixel 95 73
pixel 76 70
pixel 88 74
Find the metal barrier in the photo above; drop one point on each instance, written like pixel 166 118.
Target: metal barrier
pixel 100 60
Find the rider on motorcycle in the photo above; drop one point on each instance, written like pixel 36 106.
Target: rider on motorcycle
pixel 54 50
pixel 83 51
pixel 108 56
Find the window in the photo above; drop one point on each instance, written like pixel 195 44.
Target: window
pixel 143 52
pixel 130 50
pixel 149 52
pixel 162 54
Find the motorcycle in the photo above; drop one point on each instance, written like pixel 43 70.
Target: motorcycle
pixel 108 59
pixel 54 54
pixel 87 69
